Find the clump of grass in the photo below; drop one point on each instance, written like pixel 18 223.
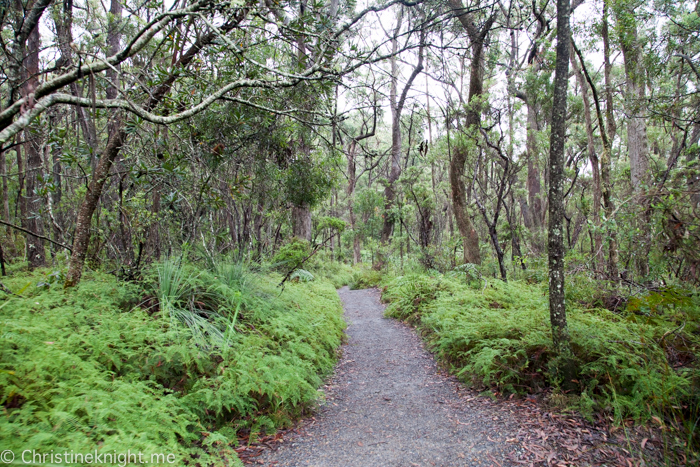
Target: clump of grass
pixel 336 272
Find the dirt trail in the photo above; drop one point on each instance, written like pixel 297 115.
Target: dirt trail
pixel 387 405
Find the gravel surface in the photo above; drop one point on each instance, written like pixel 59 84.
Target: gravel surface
pixel 388 405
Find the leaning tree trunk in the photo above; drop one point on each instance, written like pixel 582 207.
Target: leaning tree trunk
pixel 81 237
pixel 556 250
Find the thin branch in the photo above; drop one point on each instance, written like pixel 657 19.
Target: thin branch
pixel 21 229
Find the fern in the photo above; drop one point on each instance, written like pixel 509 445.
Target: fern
pixel 499 336
pixel 301 275
pixel 79 373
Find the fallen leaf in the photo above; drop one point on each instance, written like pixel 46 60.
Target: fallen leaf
pixel 644 442
pixel 551 456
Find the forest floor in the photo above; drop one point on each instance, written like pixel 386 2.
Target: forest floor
pixel 389 404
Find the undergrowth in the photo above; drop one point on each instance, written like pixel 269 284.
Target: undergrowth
pixel 179 364
pixel 365 278
pixel 639 364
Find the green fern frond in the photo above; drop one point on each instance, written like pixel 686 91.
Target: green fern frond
pixel 301 275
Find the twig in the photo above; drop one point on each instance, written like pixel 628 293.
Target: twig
pixel 675 331
pixel 21 229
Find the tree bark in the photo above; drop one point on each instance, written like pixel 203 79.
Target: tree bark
pixel 556 250
pixel 301 222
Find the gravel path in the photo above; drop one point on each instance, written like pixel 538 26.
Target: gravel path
pixel 388 405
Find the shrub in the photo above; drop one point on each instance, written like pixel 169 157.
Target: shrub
pixel 291 255
pixel 365 278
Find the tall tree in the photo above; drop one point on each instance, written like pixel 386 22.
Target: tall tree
pixel 597 245
pixel 637 141
pixel 33 222
pixel 397 103
pixel 475 105
pixel 556 248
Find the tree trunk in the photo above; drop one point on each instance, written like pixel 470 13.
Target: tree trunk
pixel 352 174
pixel 395 168
pixel 35 245
pixel 605 168
pixel 154 229
pixel 477 37
pixel 595 169
pixel 637 142
pixel 605 161
pixel 516 254
pixel 470 239
pixel 301 222
pixel 4 193
pixel 556 250
pixel 397 104
pixel 81 236
pixel 534 186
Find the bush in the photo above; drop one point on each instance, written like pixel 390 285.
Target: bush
pixel 365 279
pixel 336 272
pixel 291 255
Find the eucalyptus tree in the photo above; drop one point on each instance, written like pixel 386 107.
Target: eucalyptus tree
pixel 631 44
pixel 397 101
pixel 477 30
pixel 556 247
